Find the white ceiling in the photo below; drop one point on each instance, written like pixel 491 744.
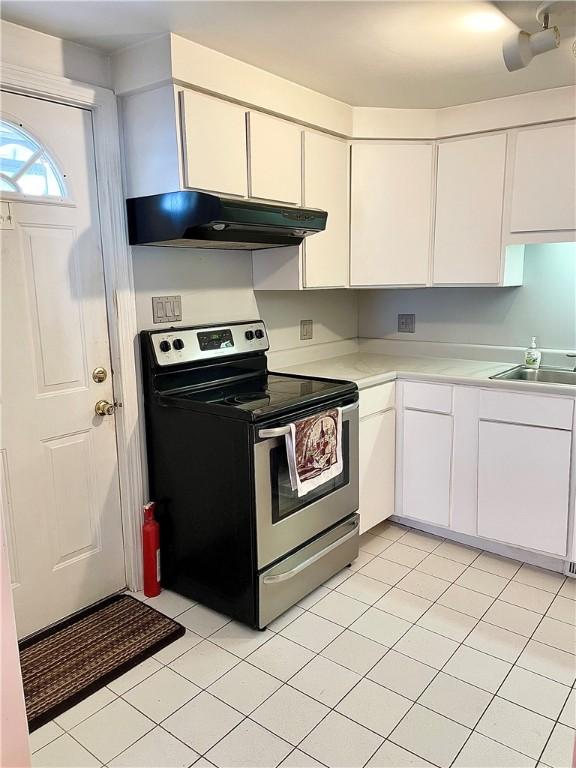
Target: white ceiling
pixel 395 54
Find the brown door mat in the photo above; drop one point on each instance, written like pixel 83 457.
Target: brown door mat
pixel 67 662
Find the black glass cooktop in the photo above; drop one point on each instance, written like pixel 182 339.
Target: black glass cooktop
pixel 263 395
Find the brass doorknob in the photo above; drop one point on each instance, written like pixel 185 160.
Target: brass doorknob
pixel 99 374
pixel 104 408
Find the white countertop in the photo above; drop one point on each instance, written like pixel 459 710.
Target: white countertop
pixel 368 369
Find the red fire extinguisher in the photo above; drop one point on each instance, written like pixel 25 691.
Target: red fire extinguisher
pixel 151 551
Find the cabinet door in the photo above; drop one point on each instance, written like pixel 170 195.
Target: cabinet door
pixel 377 456
pixel 426 466
pixel 391 205
pixel 544 179
pixel 326 182
pixel 275 159
pixel 469 201
pixel 523 485
pixel 214 141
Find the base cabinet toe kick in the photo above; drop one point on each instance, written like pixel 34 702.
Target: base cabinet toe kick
pixel 488 467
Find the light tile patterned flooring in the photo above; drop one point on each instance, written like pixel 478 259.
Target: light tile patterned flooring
pixel 425 652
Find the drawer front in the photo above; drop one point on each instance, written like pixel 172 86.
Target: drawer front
pixel 536 410
pixel 428 397
pixel 376 399
pixel 282 585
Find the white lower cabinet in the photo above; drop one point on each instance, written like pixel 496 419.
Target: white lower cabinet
pixel 523 485
pixel 377 455
pixel 426 466
pixel 485 462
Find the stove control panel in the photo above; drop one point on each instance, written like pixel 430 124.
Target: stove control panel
pixel 187 345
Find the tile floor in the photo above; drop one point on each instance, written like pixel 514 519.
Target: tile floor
pixel 425 652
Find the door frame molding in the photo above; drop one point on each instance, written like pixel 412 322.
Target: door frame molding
pixel 119 284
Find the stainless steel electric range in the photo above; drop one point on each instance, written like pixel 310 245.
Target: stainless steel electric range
pixel 233 534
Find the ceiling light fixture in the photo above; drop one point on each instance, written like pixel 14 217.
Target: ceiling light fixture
pixel 520 49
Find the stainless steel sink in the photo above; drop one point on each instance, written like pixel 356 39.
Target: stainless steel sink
pixel 545 375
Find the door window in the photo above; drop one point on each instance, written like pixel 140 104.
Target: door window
pixel 26 167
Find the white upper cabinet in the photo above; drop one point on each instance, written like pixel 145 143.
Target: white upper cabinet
pixel 391 214
pixel 544 179
pixel 214 144
pixel 152 151
pixel 326 183
pixel 275 159
pixel 452 212
pixel 470 190
pixel 322 260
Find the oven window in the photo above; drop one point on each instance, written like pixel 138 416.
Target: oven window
pixel 285 501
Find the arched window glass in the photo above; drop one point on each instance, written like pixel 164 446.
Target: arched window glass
pixel 25 166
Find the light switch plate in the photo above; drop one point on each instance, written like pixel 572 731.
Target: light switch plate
pixel 166 309
pixel 406 323
pixel 306 330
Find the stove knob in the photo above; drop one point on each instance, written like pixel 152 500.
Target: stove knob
pixel 249 335
pixel 259 333
pixel 165 346
pixel 178 344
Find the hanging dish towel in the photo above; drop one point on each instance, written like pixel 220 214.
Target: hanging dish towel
pixel 314 448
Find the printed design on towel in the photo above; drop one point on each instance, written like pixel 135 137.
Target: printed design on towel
pixel 316 444
pixel 314 448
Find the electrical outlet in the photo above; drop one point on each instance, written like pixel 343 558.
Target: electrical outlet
pixel 406 323
pixel 166 309
pixel 306 330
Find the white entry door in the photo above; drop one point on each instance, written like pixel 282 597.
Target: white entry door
pixel 58 457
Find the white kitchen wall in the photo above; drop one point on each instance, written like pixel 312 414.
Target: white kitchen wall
pixel 544 306
pixel 216 286
pixel 25 47
pixel 334 314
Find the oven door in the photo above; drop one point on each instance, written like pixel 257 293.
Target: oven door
pixel 285 521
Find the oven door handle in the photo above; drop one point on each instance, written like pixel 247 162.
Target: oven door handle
pixel 274 432
pixel 278 577
pixel 281 431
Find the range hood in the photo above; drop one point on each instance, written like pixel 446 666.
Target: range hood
pixel 199 220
